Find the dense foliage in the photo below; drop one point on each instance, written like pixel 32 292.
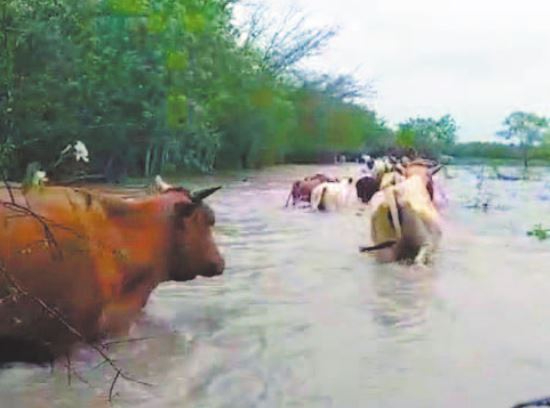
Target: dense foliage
pixel 426 135
pixel 159 85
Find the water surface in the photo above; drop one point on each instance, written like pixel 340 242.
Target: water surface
pixel 302 319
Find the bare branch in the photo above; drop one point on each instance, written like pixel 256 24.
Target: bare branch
pixel 18 291
pixel 126 341
pixel 8 187
pixel 285 41
pixel 118 373
pixel 69 368
pixel 60 318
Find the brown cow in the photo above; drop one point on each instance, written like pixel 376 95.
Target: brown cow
pixel 301 189
pixel 366 186
pixel 104 258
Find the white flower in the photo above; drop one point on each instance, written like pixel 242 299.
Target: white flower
pixel 81 152
pixel 39 178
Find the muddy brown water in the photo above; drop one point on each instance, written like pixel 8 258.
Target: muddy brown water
pixel 302 319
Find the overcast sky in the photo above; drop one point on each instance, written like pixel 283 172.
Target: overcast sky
pixel 478 60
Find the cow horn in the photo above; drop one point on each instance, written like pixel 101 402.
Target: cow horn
pixel 161 185
pixel 435 169
pixel 200 195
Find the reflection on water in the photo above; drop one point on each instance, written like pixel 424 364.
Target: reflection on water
pixel 302 319
pixel 401 296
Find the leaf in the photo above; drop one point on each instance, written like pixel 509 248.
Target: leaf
pixel 156 23
pixel 177 60
pixel 177 110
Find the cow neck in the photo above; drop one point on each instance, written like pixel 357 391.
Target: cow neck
pixel 149 222
pixel 174 256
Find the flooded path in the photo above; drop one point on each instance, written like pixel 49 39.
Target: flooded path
pixel 302 319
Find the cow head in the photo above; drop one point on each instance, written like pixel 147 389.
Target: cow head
pixel 422 168
pixel 194 253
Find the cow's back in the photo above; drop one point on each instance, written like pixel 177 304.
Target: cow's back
pixel 60 260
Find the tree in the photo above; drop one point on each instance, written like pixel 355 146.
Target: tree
pixel 169 85
pixel 524 128
pixel 427 135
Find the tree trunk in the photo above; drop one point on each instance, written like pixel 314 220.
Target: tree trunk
pixel 244 160
pixel 163 156
pixel 524 150
pixel 148 155
pixel 155 160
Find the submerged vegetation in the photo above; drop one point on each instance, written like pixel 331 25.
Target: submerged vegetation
pixel 539 232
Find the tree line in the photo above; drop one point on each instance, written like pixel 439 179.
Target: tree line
pixel 525 136
pixel 154 86
pixel 164 85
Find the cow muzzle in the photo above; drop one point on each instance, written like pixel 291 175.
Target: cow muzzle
pixel 213 268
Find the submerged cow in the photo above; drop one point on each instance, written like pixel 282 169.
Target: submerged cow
pixel 383 173
pixel 301 189
pixel 405 223
pixel 95 258
pixel 366 187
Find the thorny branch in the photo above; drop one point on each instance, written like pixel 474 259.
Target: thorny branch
pixel 51 311
pixel 25 210
pixel 59 317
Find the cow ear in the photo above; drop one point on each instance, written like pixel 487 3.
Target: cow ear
pixel 184 209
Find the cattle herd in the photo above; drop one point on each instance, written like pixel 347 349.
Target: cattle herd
pixel 94 257
pixel 399 193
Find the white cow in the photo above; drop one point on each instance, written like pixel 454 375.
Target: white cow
pixel 334 196
pixel 381 166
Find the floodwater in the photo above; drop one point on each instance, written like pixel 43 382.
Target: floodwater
pixel 302 319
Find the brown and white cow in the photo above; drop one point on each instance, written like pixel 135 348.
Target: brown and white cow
pixel 405 224
pixel 301 189
pixel 95 258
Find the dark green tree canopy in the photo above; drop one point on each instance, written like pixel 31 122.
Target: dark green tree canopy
pixel 427 135
pixel 166 85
